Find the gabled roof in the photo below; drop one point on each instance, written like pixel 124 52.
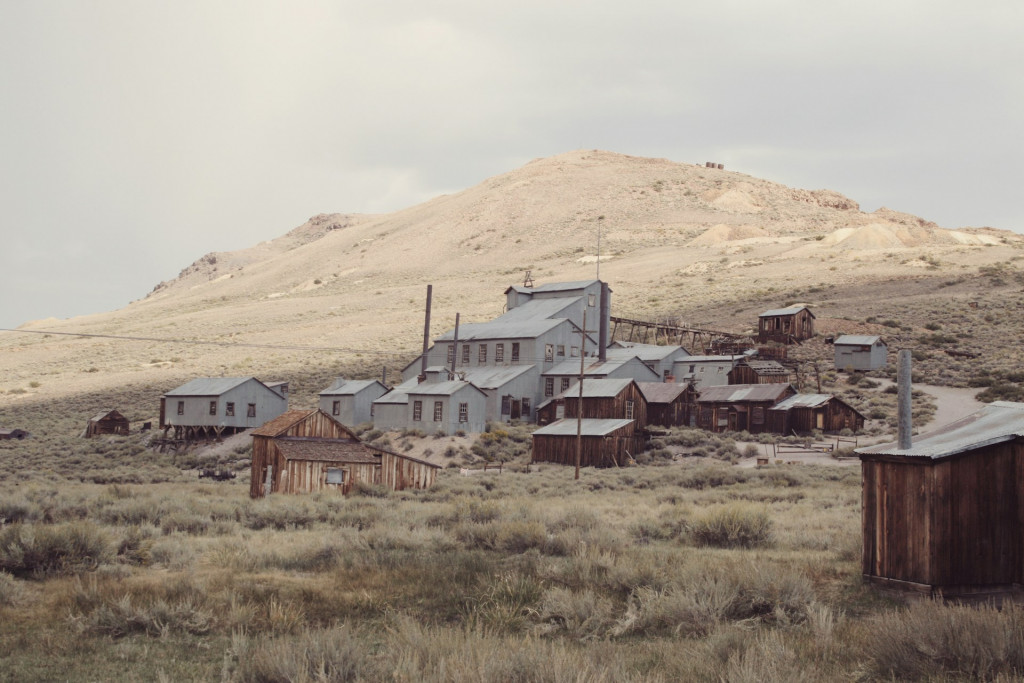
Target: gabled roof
pixel 350 387
pixel 440 388
pixel 709 359
pixel 214 386
pixel 597 388
pixel 735 393
pixel 329 450
pixel 530 328
pixel 997 422
pixel 588 427
pixel 538 309
pixel 493 377
pixel 594 366
pixel 400 393
pixel 112 414
pixel 858 339
pixel 765 367
pixel 553 287
pixel 282 423
pixel 811 401
pixel 662 392
pixel 645 352
pixel 792 310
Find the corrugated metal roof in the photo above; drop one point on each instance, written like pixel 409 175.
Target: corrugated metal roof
pixel 516 329
pixel 209 386
pixel 400 393
pixel 597 388
pixel 644 351
pixel 538 309
pixel 661 392
pixel 553 287
pixel 329 450
pixel 995 423
pixel 858 339
pixel 349 387
pixel 281 423
pixel 792 310
pixel 803 401
pixel 592 366
pixel 743 392
pixel 493 377
pixel 708 359
pixel 588 427
pixel 765 367
pixel 440 388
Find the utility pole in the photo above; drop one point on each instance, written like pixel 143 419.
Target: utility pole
pixel 579 406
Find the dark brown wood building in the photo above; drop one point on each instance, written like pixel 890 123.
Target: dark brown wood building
pixel 735 407
pixel 17 434
pixel 785 325
pixel 804 413
pixel 602 399
pixel 110 422
pixel 304 451
pixel 669 404
pixel 751 371
pixel 944 517
pixel 605 443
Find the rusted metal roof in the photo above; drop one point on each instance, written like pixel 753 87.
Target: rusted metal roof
pixel 329 450
pixel 661 392
pixel 588 427
pixel 792 310
pixel 995 423
pixel 858 340
pixel 734 393
pixel 282 423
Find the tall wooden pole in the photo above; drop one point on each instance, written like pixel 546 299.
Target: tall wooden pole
pixel 579 407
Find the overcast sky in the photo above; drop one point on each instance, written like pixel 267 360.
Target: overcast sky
pixel 137 136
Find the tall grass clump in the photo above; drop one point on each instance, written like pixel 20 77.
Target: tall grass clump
pixel 335 654
pixel 45 550
pixel 733 526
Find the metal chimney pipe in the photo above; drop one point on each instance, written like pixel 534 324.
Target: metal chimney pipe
pixel 455 346
pixel 602 344
pixel 903 403
pixel 426 337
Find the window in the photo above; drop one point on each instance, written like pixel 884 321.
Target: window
pixel 549 352
pixel 229 409
pixel 181 407
pixel 463 412
pixel 417 411
pixel 565 383
pixel 438 411
pixel 575 351
pixel 336 408
pixel 335 475
pixel 499 353
pixel 515 352
pixel 506 405
pixel 465 354
pixel 526 407
pixel 561 350
pixel 591 299
pixel 252 410
pixel 451 354
pixel 213 407
pixel 692 367
pixel 549 386
pixel 757 415
pixel 482 354
pixel 629 410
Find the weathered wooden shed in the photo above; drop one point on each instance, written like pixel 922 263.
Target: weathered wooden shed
pixel 946 516
pixel 669 404
pixel 804 413
pixel 605 443
pixel 304 451
pixel 110 422
pixel 785 325
pixel 860 352
pixel 736 407
pixel 16 434
pixel 752 371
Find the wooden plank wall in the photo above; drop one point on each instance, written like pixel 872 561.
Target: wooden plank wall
pixel 400 473
pixel 610 407
pixel 597 451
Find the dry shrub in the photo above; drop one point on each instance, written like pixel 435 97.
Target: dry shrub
pixel 335 654
pixel 107 608
pixel 579 614
pixel 932 639
pixel 12 592
pixel 733 526
pixel 44 550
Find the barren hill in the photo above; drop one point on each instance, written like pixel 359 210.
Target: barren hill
pixel 675 239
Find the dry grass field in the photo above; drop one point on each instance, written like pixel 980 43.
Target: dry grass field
pixel 117 563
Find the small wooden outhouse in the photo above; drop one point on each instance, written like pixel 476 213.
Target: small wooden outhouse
pixel 860 352
pixel 946 516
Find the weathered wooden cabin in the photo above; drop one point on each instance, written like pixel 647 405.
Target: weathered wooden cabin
pixel 669 404
pixel 605 443
pixel 804 413
pixel 602 399
pixel 110 422
pixel 304 451
pixel 15 434
pixel 212 406
pixel 944 517
pixel 753 371
pixel 785 325
pixel 735 407
pixel 860 352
